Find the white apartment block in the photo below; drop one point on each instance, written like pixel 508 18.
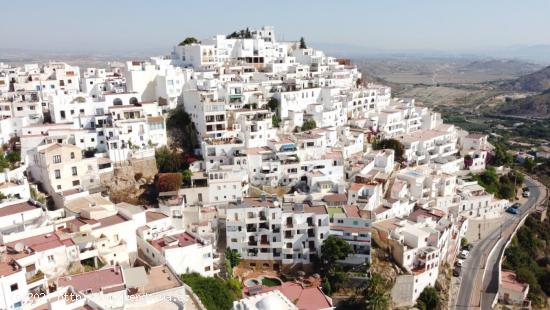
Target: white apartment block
pixel 270 234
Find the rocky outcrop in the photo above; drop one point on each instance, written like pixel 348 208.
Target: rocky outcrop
pixel 129 180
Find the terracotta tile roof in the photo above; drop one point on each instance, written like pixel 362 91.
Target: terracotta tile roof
pixel 352 211
pixel 111 220
pixel 94 281
pixel 154 216
pixel 305 298
pixel 39 243
pixel 320 209
pixel 336 198
pixel 17 208
pixel 355 187
pixel 184 239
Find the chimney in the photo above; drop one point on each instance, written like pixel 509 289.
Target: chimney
pixel 274 197
pixel 262 196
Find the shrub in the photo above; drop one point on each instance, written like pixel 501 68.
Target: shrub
pixel 309 125
pixel 168 182
pixel 428 299
pixel 188 40
pixel 214 293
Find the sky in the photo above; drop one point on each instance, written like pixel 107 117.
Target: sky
pixel 386 25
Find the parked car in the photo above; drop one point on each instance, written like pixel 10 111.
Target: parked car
pixel 525 194
pixel 463 254
pixel 459 262
pixel 469 247
pixel 457 271
pixel 512 210
pixel 516 205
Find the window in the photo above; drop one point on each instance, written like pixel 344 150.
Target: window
pixel 76 182
pixel 14 287
pixel 72 155
pixel 50 258
pixel 73 169
pixel 57 159
pixel 57 174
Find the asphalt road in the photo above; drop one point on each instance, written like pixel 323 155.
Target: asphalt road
pixel 473 283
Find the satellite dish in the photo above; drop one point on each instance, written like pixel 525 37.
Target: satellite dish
pixel 19 247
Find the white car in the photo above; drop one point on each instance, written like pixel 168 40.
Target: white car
pixel 463 254
pixel 459 262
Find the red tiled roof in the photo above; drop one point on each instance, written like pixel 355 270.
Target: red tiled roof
pixel 352 211
pixel 335 198
pixel 305 298
pixel 16 208
pixel 94 281
pixel 355 187
pixel 40 243
pixel 184 239
pixel 154 216
pixel 111 220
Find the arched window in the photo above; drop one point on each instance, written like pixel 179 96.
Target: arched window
pixel 117 101
pixel 133 100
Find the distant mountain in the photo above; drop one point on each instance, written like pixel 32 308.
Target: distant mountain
pixel 500 66
pixel 538 53
pixel 537 81
pixel 533 106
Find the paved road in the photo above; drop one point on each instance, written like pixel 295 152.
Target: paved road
pixel 473 282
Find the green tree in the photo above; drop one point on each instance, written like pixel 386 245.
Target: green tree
pixel 186 175
pixel 376 293
pixel 501 156
pixel 303 43
pixel 233 257
pixel 393 144
pixel 164 159
pixel 327 289
pixel 334 249
pixel 529 164
pixel 463 242
pixel 506 190
pixel 275 121
pixel 273 104
pixel 428 299
pixel 309 125
pixel 13 157
pixel 188 40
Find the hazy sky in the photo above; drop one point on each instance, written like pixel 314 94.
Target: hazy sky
pixel 103 25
